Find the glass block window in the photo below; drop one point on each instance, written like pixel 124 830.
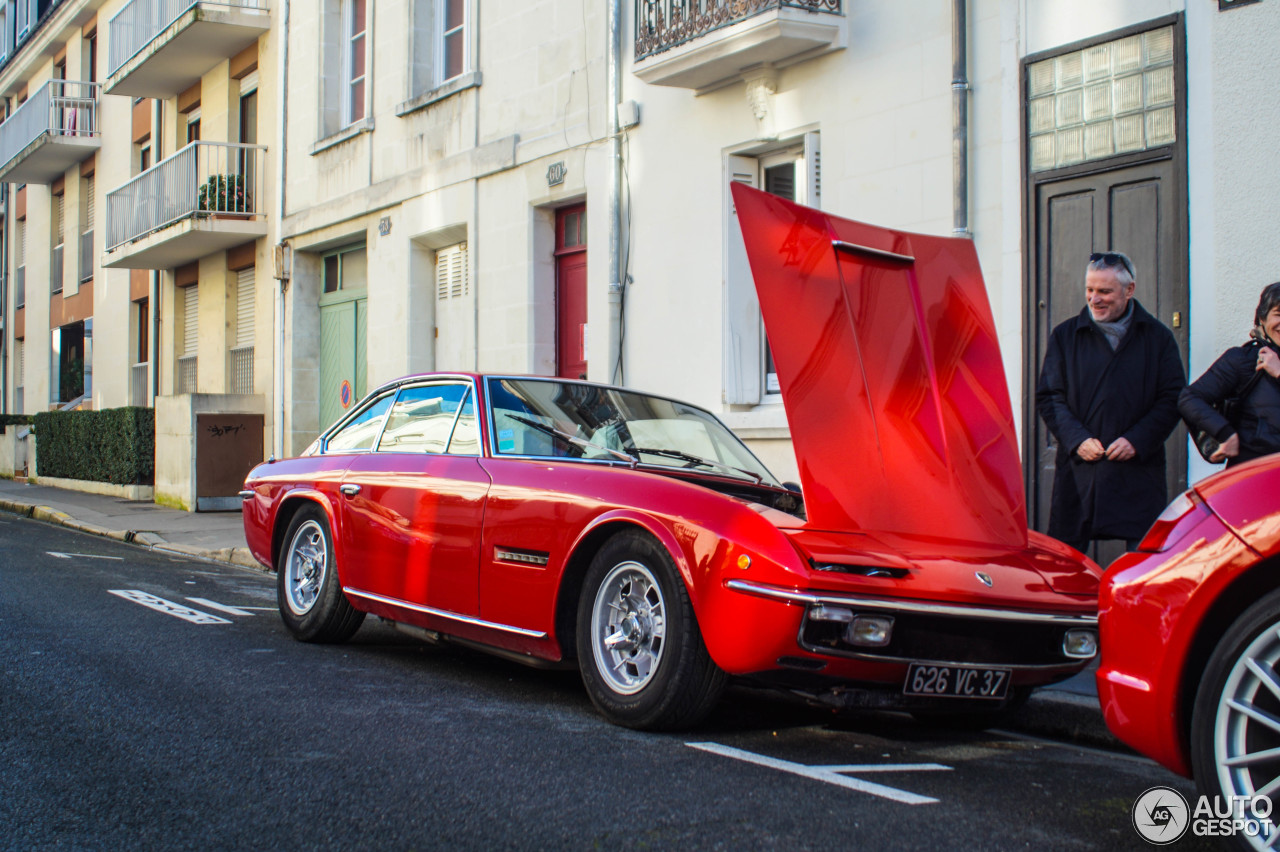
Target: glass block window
pixel 1108 99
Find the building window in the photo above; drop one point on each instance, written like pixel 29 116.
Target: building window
pixel 354 60
pixel 142 352
pixel 792 171
pixel 87 205
pixel 193 126
pixel 91 58
pixel 440 43
pixel 242 352
pixel 59 237
pixel 346 269
pixel 19 373
pixel 189 302
pixel 1108 99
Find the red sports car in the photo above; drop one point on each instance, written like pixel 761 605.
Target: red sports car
pixel 1191 635
pixel 636 537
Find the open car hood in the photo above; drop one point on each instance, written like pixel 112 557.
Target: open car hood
pixel 891 374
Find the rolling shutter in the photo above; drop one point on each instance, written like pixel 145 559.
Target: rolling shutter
pixel 88 203
pixel 244 307
pixel 60 212
pixel 190 320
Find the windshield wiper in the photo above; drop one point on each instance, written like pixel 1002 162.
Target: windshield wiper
pixel 574 440
pixel 698 460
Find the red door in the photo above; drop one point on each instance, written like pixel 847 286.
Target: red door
pixel 571 292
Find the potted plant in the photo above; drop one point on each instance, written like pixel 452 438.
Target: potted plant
pixel 223 194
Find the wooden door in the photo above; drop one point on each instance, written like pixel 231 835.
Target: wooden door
pixel 1134 209
pixel 571 292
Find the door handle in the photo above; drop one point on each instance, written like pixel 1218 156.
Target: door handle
pixel 350 490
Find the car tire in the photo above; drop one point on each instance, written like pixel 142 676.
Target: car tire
pixel 642 657
pixel 308 591
pixel 1243 673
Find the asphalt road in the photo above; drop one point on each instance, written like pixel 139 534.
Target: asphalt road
pixel 123 726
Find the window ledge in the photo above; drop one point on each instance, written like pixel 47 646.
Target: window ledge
pixel 349 132
pixel 766 421
pixel 426 99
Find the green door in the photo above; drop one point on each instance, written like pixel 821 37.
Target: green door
pixel 342 355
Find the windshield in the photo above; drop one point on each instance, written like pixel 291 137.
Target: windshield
pixel 533 417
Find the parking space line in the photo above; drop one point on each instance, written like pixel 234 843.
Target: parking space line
pixel 169 607
pixel 832 774
pixel 60 555
pixel 230 610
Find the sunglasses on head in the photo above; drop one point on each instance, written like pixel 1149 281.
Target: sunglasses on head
pixel 1112 259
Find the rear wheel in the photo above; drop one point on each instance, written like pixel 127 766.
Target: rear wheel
pixel 1235 726
pixel 641 653
pixel 308 593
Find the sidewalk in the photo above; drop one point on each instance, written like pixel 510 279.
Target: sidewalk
pixel 1064 710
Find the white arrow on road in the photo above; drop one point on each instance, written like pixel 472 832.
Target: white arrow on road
pixel 59 555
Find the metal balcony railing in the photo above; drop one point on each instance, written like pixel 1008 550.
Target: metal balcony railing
pixel 187 374
pixel 59 107
pixel 242 370
pixel 664 24
pixel 19 287
pixel 86 256
pixel 219 179
pixel 137 24
pixel 55 271
pixel 140 384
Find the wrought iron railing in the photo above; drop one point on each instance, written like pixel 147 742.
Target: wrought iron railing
pixel 55 271
pixel 219 179
pixel 242 370
pixel 19 287
pixel 140 384
pixel 86 256
pixel 664 24
pixel 59 107
pixel 187 374
pixel 137 25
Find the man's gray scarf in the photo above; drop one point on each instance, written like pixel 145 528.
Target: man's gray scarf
pixel 1114 331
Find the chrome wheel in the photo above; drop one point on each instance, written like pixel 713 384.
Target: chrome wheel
pixel 1246 729
pixel 304 569
pixel 628 627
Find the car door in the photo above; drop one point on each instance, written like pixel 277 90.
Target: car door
pixel 413 507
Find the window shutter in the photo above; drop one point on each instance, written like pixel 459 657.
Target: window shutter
pixel 812 171
pixel 21 368
pixel 60 213
pixel 190 320
pixel 22 242
pixel 245 282
pixel 88 204
pixel 744 346
pixel 452 280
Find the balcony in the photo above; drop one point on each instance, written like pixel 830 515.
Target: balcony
pixel 700 44
pixel 208 197
pixel 158 48
pixel 53 130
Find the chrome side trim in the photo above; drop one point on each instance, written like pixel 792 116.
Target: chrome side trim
pixel 452 616
pixel 523 557
pixel 880 254
pixel 901 605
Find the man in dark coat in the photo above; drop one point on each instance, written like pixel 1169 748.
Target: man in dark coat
pixel 1108 392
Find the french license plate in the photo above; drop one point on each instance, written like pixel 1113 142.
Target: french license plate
pixel 956 681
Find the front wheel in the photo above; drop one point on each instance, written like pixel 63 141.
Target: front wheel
pixel 641 653
pixel 1235 725
pixel 308 593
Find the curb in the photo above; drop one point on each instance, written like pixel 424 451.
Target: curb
pixel 237 556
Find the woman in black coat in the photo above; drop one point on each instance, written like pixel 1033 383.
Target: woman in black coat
pixel 1258 431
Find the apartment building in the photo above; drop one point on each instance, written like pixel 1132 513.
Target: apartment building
pixel 139 206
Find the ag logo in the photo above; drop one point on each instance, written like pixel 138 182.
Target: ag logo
pixel 1161 815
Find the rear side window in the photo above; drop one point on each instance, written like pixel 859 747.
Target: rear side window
pixel 362 430
pixel 424 419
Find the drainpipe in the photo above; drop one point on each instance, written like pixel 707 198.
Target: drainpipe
pixel 4 299
pixel 960 120
pixel 282 71
pixel 613 96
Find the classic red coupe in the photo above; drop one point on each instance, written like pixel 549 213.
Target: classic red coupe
pixel 1190 636
pixel 565 522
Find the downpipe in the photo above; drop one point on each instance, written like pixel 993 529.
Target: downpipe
pixel 613 96
pixel 282 284
pixel 960 119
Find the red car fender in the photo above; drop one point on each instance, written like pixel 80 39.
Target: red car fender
pixel 305 494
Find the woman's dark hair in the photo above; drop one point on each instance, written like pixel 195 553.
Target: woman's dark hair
pixel 1270 299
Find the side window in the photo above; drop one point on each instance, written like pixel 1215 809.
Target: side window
pixel 423 418
pixel 361 432
pixel 466 434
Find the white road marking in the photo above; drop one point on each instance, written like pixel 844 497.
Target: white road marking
pixel 832 774
pixel 231 610
pixel 169 607
pixel 60 555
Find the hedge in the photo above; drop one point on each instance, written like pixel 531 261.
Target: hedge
pixel 116 445
pixel 15 420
